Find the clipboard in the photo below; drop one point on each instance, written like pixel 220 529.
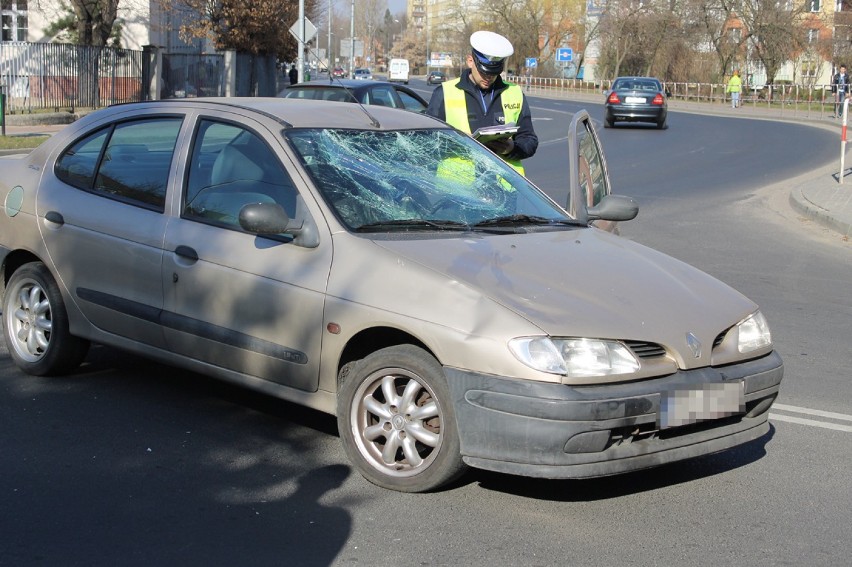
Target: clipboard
pixel 491 133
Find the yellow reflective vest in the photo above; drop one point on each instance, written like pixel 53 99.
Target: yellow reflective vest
pixel 455 108
pixel 734 84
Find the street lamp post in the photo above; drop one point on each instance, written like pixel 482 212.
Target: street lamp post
pixel 328 55
pixel 426 26
pixel 301 42
pixel 352 43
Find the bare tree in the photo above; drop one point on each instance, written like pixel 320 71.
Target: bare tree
pixel 620 37
pixel 258 27
pixel 88 22
pixel 774 30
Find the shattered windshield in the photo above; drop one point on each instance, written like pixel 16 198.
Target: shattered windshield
pixel 420 180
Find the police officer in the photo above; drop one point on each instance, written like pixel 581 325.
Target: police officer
pixel 480 98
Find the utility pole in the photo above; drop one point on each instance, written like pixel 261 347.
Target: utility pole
pixel 328 64
pixel 352 40
pixel 301 42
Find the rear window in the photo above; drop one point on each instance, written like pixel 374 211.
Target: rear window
pixel 331 93
pixel 637 85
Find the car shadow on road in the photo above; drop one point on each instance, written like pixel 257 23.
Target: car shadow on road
pixel 168 467
pixel 616 486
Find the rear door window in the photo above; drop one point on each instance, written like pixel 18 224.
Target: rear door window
pixel 128 161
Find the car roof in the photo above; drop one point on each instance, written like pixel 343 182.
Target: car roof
pixel 630 83
pixel 296 113
pixel 336 84
pixel 629 77
pixel 356 86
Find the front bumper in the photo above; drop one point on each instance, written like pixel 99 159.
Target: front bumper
pixel 559 431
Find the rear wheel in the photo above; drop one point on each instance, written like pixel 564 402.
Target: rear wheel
pixel 608 122
pixel 661 124
pixel 397 422
pixel 35 324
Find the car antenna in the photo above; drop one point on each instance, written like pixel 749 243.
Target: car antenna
pixel 331 79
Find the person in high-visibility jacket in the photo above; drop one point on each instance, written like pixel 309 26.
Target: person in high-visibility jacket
pixel 480 98
pixel 735 85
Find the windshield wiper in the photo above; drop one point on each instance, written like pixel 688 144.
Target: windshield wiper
pixel 519 220
pixel 412 224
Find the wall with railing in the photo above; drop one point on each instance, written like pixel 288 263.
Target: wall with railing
pixel 64 77
pixel 56 76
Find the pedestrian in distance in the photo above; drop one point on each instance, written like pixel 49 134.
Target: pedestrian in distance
pixel 840 88
pixel 735 85
pixel 481 98
pixel 293 74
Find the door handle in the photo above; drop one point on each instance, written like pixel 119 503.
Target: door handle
pixel 54 217
pixel 187 252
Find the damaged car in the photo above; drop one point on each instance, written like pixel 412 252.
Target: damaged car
pixel 382 267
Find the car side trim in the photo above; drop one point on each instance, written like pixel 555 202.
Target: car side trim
pixel 192 326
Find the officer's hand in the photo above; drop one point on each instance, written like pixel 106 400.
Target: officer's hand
pixel 501 147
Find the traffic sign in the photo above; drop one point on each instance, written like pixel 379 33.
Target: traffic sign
pixel 310 30
pixel 564 54
pixel 532 62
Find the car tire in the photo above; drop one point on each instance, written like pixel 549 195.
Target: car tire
pixel 608 122
pixel 409 443
pixel 661 125
pixel 35 324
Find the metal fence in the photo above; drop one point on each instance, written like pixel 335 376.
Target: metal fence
pixel 58 76
pixel 193 74
pixel 781 98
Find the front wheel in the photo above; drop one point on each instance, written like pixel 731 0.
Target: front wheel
pixel 35 324
pixel 397 422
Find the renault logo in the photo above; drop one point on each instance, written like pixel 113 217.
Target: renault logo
pixel 694 345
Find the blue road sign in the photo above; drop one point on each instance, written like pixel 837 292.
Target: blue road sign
pixel 532 62
pixel 564 54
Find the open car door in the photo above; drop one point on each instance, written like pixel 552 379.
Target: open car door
pixel 590 196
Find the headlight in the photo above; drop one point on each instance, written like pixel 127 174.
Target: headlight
pixel 574 357
pixel 753 333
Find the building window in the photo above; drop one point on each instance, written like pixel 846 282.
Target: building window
pixel 14 20
pixel 735 35
pixel 815 5
pixel 813 35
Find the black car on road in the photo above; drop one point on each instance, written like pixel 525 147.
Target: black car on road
pixel 636 99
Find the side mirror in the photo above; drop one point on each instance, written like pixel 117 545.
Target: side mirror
pixel 614 208
pixel 267 219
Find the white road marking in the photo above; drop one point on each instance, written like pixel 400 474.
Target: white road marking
pixel 811 422
pixel 818 413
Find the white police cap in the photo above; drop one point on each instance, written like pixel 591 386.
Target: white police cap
pixel 489 51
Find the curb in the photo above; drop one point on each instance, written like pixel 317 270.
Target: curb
pixel 820 215
pixel 43 119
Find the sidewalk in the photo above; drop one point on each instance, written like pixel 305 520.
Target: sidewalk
pixel 821 197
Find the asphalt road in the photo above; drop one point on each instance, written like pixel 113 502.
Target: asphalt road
pixel 132 463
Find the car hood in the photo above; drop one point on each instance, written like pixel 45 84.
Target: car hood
pixel 586 283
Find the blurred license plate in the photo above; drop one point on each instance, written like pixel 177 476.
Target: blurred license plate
pixel 707 401
pixel 634 100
